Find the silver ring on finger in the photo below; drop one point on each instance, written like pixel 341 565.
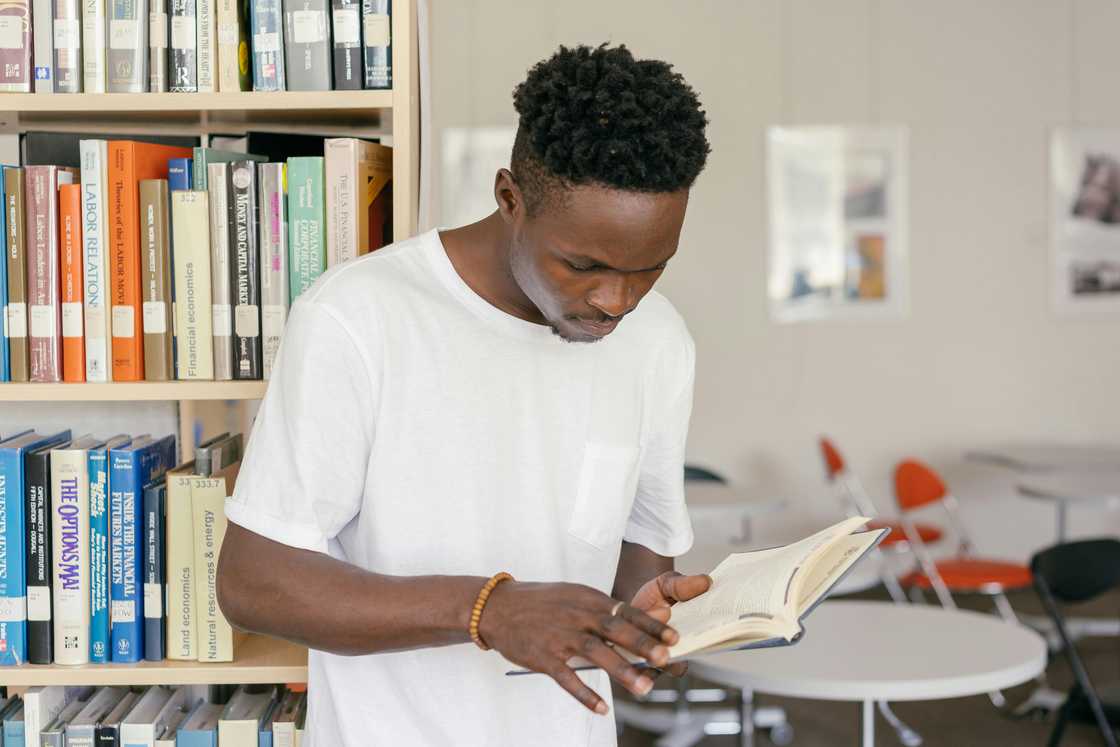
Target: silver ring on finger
pixel 617 608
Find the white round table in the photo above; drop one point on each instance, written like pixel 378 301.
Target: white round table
pixel 1065 488
pixel 1043 457
pixel 873 651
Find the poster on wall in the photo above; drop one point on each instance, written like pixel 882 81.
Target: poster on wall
pixel 838 223
pixel 1085 219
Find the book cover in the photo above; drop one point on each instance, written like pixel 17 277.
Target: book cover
pixel 207 48
pixel 358 176
pixel 93 46
pixel 70 249
pixel 108 733
pixel 184 42
pixel 245 289
pixel 13 573
pixel 82 729
pixel 159 46
pixel 138 727
pixel 268 46
pixel 179 544
pixel 306 223
pixel 128 46
pixel 220 295
pixel 44 307
pixel 307 45
pixel 41 148
pixel 68 46
pixel 190 225
pixel 42 705
pixel 98 466
pixel 53 734
pixel 95 175
pixel 180 174
pixel 346 33
pixel 13 722
pixel 15 47
pixel 42 45
pixel 273 201
pixel 233 46
pixel 129 163
pixel 5 370
pixel 155 504
pixel 14 199
pixel 377 27
pixel 130 468
pixel 208 496
pixel 155 240
pixel 201 727
pixel 40 560
pixel 203 157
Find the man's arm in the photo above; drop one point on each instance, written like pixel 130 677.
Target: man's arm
pixel 636 565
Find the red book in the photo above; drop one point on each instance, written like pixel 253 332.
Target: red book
pixel 70 248
pixel 43 270
pixel 129 163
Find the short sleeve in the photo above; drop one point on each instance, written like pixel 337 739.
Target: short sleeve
pixel 303 475
pixel 659 518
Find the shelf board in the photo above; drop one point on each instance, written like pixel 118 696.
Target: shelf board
pixel 121 391
pixel 259 660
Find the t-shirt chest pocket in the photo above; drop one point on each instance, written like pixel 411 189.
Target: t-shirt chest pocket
pixel 608 482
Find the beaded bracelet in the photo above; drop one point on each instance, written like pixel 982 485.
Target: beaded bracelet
pixel 480 602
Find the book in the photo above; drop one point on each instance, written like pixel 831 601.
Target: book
pixel 200 729
pixel 307 46
pixel 54 733
pixel 40 560
pixel 760 599
pixel 98 467
pixel 208 496
pixel 306 223
pixel 67 46
pixel 15 49
pixel 358 174
pixel 14 724
pixel 268 46
pixel 233 46
pixel 377 63
pixel 139 727
pixel 171 725
pixel 16 255
pixel 95 174
pixel 130 162
pixel 82 729
pixel 155 274
pixel 180 174
pixel 5 370
pixel 184 40
pixel 160 67
pixel 284 719
pixel 127 56
pixel 245 290
pixel 93 46
pixel 70 505
pixel 72 263
pixel 42 705
pixel 44 306
pixel 190 228
pixel 179 545
pixel 276 146
pixel 13 542
pixel 217 453
pixel 203 157
pixel 42 45
pixel 131 467
pixel 273 200
pixel 170 716
pixel 155 506
pixel 206 52
pixel 109 729
pixel 41 148
pixel 242 718
pixel 220 289
pixel 346 34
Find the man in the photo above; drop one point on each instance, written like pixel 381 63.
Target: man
pixel 505 396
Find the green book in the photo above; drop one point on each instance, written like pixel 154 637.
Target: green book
pixel 203 156
pixel 307 221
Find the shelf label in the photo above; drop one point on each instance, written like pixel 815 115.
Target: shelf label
pixel 157 30
pixel 347 26
pixel 124 321
pixel 67 33
pixel 38 603
pixel 124 33
pixel 95 322
pixel 13 609
pixel 44 320
pixel 17 320
pixel 247 320
pixel 310 26
pixel 122 611
pixel 223 326
pixel 11 32
pixel 266 42
pixel 153 601
pixel 376 28
pixel 72 319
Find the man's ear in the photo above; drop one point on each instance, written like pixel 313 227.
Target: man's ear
pixel 511 202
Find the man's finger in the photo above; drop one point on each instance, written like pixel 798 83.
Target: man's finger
pixel 570 681
pixel 640 619
pixel 681 588
pixel 677 669
pixel 624 631
pixel 633 678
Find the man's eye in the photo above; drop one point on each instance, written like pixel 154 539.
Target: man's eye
pixel 581 268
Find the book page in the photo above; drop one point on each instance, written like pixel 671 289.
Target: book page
pixel 827 569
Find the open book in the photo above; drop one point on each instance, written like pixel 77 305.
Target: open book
pixel 758 599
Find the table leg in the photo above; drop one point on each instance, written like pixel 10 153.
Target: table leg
pixel 746 720
pixel 1063 507
pixel 868 723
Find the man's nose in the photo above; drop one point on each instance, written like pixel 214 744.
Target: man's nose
pixel 614 296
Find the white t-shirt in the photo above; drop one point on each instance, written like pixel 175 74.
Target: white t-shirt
pixel 412 428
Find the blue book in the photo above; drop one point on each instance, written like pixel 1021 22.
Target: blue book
pixel 155 509
pixel 179 174
pixel 13 727
pixel 130 469
pixel 200 727
pixel 98 462
pixel 13 543
pixel 5 368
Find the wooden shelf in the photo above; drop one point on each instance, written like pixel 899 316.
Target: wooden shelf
pixel 259 660
pixel 132 391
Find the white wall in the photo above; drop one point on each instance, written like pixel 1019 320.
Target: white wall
pixel 981 358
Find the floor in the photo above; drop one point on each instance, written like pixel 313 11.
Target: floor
pixel 962 722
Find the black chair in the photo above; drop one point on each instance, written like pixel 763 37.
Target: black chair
pixel 1077 572
pixel 701 474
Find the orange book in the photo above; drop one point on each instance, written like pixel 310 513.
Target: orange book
pixel 70 247
pixel 129 163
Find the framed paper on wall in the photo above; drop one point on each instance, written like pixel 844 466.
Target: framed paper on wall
pixel 838 223
pixel 1085 220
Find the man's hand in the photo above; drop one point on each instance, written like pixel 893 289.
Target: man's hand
pixel 658 595
pixel 542 626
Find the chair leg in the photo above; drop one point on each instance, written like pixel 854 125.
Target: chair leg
pixel 906 735
pixel 1003 606
pixel 1059 726
pixel 893 587
pixel 917 596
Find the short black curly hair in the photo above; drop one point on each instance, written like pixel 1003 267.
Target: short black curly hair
pixel 598 116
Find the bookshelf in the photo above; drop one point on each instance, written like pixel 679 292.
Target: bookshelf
pixel 259 659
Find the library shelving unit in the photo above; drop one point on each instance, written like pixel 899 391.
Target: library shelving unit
pixel 394 113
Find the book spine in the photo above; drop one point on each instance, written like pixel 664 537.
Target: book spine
pixel 154 508
pixel 14 195
pixel 207 48
pixel 15 47
pixel 346 33
pixel 39 561
pixel 13 579
pixel 227 45
pixel 155 249
pixel 341 163
pixel 179 538
pixel 126 633
pixel 274 260
pixel 245 272
pixel 128 46
pixel 222 320
pixel 215 636
pixel 70 508
pixel 307 45
pixel 98 462
pixel 159 42
pixel 377 64
pixel 94 160
pixel 42 47
pixel 184 40
pixel 68 46
pixel 44 309
pixel 374 182
pixel 127 346
pixel 93 46
pixel 70 248
pixel 190 226
pixel 306 222
pixel 268 46
pixel 179 174
pixel 5 370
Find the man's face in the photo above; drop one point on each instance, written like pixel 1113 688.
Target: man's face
pixel 587 260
